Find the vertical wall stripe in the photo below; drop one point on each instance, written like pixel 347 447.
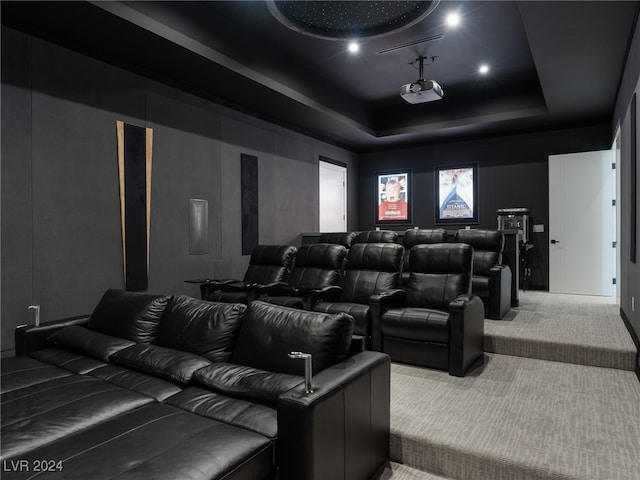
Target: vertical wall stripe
pixel 633 227
pixel 249 181
pixel 134 170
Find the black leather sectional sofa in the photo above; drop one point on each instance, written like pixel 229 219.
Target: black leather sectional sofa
pixel 156 387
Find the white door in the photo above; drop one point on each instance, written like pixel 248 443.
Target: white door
pixel 333 198
pixel 581 220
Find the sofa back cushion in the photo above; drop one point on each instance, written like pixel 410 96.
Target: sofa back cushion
pixel 129 315
pixel 270 332
pixel 96 344
pixel 197 326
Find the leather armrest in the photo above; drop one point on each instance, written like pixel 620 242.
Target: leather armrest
pixel 499 291
pixel 345 419
pixel 29 338
pixel 466 340
pixel 277 289
pixel 326 294
pixel 380 303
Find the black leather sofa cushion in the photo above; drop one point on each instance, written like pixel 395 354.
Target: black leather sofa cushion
pixel 416 324
pixel 49 411
pixel 162 362
pixel 197 326
pixel 21 372
pixel 246 382
pixel 269 333
pixel 87 341
pixel 69 360
pixel 129 315
pixel 159 442
pixel 154 387
pixel 256 417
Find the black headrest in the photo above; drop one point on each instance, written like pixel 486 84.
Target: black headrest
pixel 383 257
pixel 485 240
pixel 321 255
pixel 376 236
pixel 273 255
pixel 417 237
pixel 442 258
pixel 339 238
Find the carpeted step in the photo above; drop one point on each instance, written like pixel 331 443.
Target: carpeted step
pixel 517 418
pixel 578 329
pixel 397 471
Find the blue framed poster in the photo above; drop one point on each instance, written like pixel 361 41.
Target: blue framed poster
pixel 457 191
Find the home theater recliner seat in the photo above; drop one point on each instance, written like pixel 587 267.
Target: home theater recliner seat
pixel 268 264
pixel 491 279
pixel 316 266
pixel 435 322
pixel 176 387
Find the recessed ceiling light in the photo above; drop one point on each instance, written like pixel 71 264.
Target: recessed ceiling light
pixel 453 19
pixel 354 47
pixel 483 69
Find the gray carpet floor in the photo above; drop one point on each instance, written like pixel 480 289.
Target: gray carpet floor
pixel 521 418
pixel 578 329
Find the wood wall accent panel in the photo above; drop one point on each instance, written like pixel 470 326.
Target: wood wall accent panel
pixel 134 172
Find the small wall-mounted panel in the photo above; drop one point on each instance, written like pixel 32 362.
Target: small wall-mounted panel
pixel 198 226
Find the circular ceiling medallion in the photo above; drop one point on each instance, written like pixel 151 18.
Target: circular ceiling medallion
pixel 337 20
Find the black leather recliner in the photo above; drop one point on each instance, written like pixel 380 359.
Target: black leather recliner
pixel 316 266
pixel 491 280
pixel 339 238
pixel 269 264
pixel 376 236
pixel 437 322
pixel 413 237
pixel 371 268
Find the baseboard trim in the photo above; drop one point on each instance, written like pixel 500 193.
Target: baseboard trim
pixel 635 339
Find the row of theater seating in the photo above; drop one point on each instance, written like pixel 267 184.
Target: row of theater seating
pixel 413 301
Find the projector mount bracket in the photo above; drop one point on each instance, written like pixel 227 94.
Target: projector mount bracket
pixel 420 61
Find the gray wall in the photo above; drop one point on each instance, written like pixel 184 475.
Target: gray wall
pixel 629 272
pixel 512 172
pixel 61 245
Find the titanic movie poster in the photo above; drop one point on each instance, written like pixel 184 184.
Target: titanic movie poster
pixel 457 195
pixel 393 204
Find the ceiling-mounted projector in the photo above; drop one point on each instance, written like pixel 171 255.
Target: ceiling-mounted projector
pixel 421 91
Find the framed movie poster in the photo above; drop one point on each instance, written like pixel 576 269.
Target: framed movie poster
pixel 393 204
pixel 457 190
